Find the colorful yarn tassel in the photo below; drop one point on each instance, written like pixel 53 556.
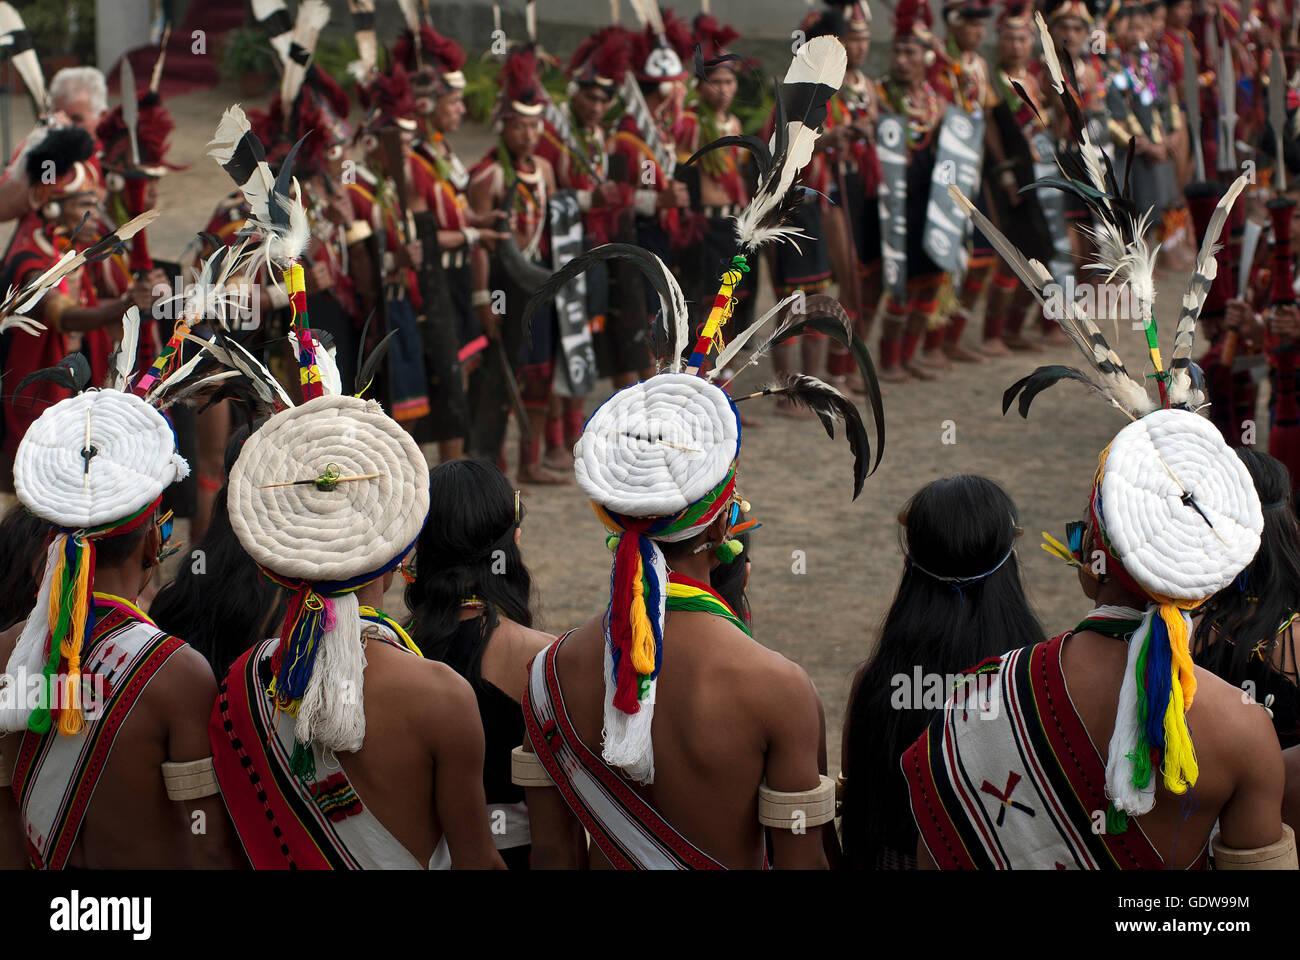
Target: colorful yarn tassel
pixel 723 305
pixel 308 373
pixel 166 359
pixel 309 615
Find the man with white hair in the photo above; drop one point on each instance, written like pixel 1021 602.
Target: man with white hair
pixel 79 97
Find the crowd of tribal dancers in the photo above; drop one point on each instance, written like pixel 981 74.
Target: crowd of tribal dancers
pixel 364 303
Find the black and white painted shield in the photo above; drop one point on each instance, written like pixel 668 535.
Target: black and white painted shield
pixel 575 370
pixel 1052 203
pixel 891 149
pixel 958 160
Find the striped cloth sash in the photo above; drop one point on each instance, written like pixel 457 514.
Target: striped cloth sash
pixel 631 834
pixel 55 776
pixel 1007 777
pixel 283 822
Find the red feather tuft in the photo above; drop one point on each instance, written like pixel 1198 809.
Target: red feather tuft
pixel 678 35
pixel 153 131
pixel 328 90
pixel 913 18
pixel 713 36
pixel 446 53
pixel 389 94
pixel 519 79
pixel 606 53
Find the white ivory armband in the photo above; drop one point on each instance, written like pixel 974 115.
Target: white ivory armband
pixel 584 200
pixel 526 769
pixel 801 808
pixel 191 780
pixel 1276 856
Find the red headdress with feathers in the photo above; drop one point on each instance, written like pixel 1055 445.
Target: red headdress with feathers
pixel 521 85
pixel 437 70
pixel 602 59
pixel 319 111
pixel 913 22
pixel 153 133
pixel 1016 13
pixel 656 61
pixel 713 36
pixel 388 99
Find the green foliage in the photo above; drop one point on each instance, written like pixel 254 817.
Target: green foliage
pixel 481 87
pixel 754 101
pixel 246 51
pixel 61 28
pixel 333 54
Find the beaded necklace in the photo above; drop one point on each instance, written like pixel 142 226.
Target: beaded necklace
pixel 921 121
pixel 376 616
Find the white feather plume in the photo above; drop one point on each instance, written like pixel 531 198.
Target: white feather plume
pixel 313 15
pixel 1207 268
pixel 125 363
pixel 821 60
pixel 258 190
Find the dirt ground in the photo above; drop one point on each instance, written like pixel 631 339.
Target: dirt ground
pixel 799 482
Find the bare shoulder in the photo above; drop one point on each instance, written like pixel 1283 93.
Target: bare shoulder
pixel 1234 716
pixel 452 702
pixel 764 673
pixel 186 679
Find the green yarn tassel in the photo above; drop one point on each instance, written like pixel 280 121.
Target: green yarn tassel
pixel 1116 820
pixel 1142 767
pixel 302 762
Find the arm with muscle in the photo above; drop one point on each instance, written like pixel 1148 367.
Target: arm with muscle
pixel 1253 815
pixel 795 754
pixel 188 693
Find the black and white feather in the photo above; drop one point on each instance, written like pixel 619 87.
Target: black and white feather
pixel 672 302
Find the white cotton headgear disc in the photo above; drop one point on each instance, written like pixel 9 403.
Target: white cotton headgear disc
pixel 134 460
pixel 658 446
pixel 1164 543
pixel 323 536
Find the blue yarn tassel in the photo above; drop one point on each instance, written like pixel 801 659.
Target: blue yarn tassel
pixel 1158 683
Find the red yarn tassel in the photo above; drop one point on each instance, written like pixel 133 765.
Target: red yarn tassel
pixel 620 623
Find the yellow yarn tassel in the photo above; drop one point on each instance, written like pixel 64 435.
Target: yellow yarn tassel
pixel 71 720
pixel 56 583
pixel 1183 668
pixel 1179 764
pixel 643 638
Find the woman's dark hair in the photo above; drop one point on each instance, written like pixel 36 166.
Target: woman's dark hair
pixel 958 527
pixel 728 579
pixel 467 549
pixel 22 547
pixel 1266 593
pixel 223 606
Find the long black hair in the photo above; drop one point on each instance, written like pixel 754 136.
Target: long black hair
pixel 23 536
pixel 1250 611
pixel 962 528
pixel 729 579
pixel 467 549
pixel 219 602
